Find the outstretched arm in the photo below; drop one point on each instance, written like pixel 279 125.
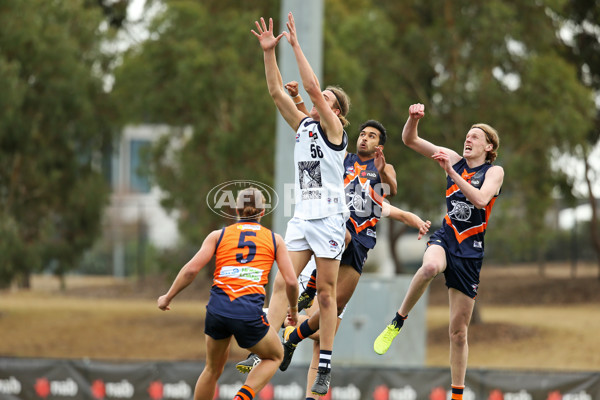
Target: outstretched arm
pixel 479 197
pixel 411 138
pixel 284 104
pixel 406 217
pixel 330 122
pixel 189 271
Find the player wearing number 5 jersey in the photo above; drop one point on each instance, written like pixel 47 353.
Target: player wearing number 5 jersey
pixel 245 252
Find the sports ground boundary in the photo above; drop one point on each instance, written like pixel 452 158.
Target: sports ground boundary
pixel 54 379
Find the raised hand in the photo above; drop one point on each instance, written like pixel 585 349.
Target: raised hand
pixel 265 35
pixel 379 159
pixel 416 111
pixel 292 88
pixel 291 35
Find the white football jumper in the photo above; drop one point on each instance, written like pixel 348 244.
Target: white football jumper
pixel 318 173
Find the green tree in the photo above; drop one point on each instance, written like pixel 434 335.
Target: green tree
pixel 496 62
pixel 53 120
pixel 202 69
pixel 580 20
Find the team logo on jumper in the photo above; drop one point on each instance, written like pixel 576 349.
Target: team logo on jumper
pixel 357 203
pixel 461 211
pixel 221 199
pixel 309 176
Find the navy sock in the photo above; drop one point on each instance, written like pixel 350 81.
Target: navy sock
pixel 300 333
pixel 398 320
pixel 311 286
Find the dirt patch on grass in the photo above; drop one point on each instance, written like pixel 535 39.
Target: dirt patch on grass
pixel 496 332
pixel 524 285
pixel 523 314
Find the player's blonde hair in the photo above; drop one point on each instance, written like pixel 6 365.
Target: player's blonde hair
pixel 492 137
pixel 343 100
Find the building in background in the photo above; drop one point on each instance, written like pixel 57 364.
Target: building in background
pixel 134 221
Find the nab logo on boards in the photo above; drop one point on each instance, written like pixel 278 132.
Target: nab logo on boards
pixel 10 386
pixel 99 389
pixel 44 388
pixel 117 390
pixel 180 390
pixel 524 395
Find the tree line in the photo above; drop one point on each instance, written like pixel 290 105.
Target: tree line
pixel 530 69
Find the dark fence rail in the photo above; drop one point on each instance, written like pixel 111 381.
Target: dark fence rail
pixel 53 379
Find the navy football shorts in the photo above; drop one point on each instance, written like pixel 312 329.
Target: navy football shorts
pixel 355 255
pixel 461 273
pixel 246 333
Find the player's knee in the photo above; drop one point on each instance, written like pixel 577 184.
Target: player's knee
pixel 278 355
pixel 458 337
pixel 429 271
pixel 275 354
pixel 214 370
pixel 325 299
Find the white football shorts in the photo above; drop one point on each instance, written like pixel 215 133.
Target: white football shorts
pixel 324 236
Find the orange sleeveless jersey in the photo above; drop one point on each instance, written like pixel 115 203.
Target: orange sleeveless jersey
pixel 244 257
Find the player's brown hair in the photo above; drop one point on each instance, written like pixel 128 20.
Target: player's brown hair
pixel 250 203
